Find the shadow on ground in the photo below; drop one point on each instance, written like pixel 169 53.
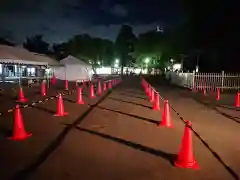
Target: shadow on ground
pixel 134 96
pixel 214 107
pixel 130 115
pixel 137 104
pixel 164 155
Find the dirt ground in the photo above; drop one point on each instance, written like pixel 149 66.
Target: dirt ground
pixel 114 136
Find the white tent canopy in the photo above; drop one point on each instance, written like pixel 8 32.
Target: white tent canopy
pixel 74 69
pixel 16 55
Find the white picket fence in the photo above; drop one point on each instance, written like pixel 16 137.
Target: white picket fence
pixel 198 81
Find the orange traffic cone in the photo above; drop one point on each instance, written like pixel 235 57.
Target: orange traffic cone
pixel 149 92
pixel 22 99
pixel 152 95
pixel 237 100
pixel 19 132
pixel 79 98
pixel 66 84
pixel 92 95
pixel 185 157
pixel 218 94
pixel 156 105
pixel 204 92
pixel 43 89
pixel 104 86
pixel 99 88
pixel 60 107
pixel 54 80
pixel 166 118
pixel 109 85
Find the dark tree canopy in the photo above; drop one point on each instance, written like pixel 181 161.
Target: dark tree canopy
pixel 124 44
pixel 36 44
pixel 210 33
pixel 83 45
pixel 215 32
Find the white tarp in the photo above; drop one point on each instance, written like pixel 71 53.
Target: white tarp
pixel 17 55
pixel 73 69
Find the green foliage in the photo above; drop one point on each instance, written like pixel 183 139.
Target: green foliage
pixel 36 44
pixel 156 46
pixel 150 45
pixel 124 43
pixel 94 49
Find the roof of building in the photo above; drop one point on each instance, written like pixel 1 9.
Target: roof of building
pixel 17 55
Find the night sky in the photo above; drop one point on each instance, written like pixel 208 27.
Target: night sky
pixel 59 20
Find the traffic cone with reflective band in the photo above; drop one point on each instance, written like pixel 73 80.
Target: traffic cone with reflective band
pixel 19 132
pixel 218 94
pixel 22 99
pixel 79 97
pixel 43 92
pixel 152 95
pixel 92 95
pixel 60 107
pixel 185 157
pixel 237 100
pixel 54 80
pixel 156 104
pixel 104 86
pixel 99 88
pixel 66 84
pixel 166 118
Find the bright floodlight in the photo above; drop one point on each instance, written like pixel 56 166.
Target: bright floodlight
pixel 147 60
pixel 177 66
pixel 117 61
pixel 98 62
